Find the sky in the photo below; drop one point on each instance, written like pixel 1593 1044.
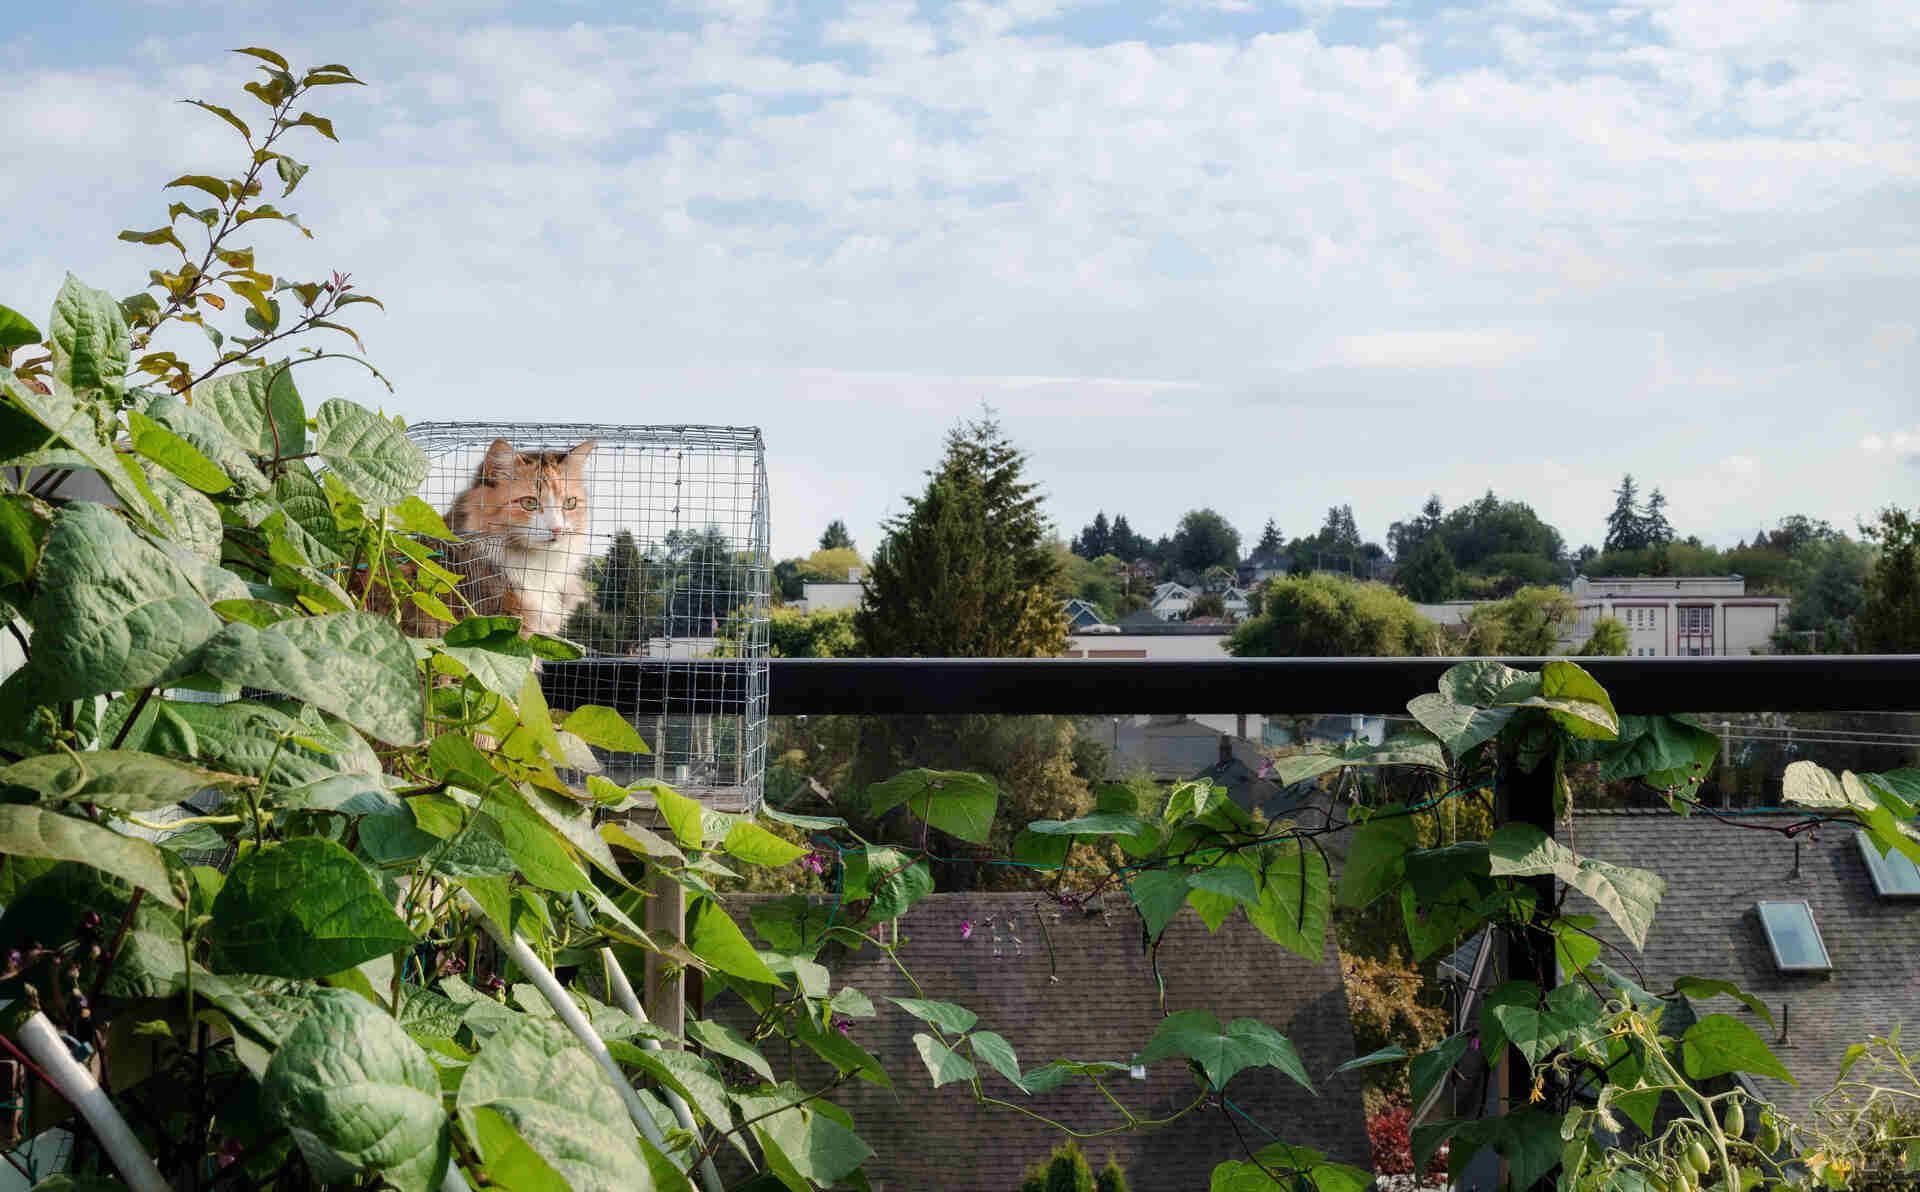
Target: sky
pixel 1261 258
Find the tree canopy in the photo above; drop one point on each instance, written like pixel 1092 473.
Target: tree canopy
pixel 1889 617
pixel 835 537
pixel 1328 616
pixel 1205 539
pixel 966 571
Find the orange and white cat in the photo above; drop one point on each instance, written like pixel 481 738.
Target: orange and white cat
pixel 529 511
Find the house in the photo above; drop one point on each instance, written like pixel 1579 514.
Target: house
pixel 1238 603
pixel 1082 614
pixel 1141 571
pixel 1062 982
pixel 1171 601
pixel 1216 579
pixel 1820 928
pixel 1686 616
pixel 1239 771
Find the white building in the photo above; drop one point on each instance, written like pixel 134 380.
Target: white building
pixel 1666 617
pixel 1683 617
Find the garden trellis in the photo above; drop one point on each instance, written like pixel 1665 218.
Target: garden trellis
pixel 673 610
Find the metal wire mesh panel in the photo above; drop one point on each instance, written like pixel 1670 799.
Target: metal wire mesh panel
pixel 648 546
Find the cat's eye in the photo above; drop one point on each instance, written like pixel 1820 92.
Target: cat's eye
pixel 573 502
pixel 530 504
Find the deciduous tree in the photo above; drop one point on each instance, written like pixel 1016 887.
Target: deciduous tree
pixel 1889 617
pixel 1324 615
pixel 1204 540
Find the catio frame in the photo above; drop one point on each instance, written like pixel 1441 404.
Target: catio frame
pixel 677 576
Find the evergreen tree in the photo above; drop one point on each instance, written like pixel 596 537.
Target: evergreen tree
pixel 1123 543
pixel 1658 530
pixel 1069 1170
pixel 836 536
pixel 624 604
pixel 1095 539
pixel 1626 525
pixel 1112 1177
pixel 966 572
pixel 1271 543
pixel 1889 618
pixel 1429 576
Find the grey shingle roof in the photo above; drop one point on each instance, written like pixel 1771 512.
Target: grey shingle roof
pixel 1706 926
pixel 1102 1007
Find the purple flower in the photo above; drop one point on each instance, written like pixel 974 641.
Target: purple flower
pixel 1474 1043
pixel 815 862
pixel 966 929
pixel 842 1024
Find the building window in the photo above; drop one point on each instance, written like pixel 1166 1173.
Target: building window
pixel 1894 875
pixel 1794 938
pixel 1693 634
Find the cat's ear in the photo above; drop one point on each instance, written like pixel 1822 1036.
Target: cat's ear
pixel 498 464
pixel 577 457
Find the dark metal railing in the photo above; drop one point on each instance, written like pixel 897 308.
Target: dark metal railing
pixel 1021 686
pixel 879 686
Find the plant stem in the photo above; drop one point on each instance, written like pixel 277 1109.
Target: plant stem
pixel 139 706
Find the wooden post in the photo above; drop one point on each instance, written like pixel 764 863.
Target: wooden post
pixel 665 997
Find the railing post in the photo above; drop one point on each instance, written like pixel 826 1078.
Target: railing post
pixel 1526 797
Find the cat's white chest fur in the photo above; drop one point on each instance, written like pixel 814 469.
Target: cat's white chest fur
pixel 549 580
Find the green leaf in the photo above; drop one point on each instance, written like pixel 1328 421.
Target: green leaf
pixel 305 908
pixel 265 56
pixel 245 736
pixel 963 812
pixel 806 1139
pixel 943 1063
pixel 196 523
pixel 1243 1043
pixel 360 1096
pixel 757 846
pixel 1666 750
pixel 115 779
pixel 175 454
pixel 1459 726
pixel 85 424
pixel 202 182
pixel 259 408
pixel 1698 988
pixel 682 815
pixel 16 330
pixel 1306 1169
pixel 1376 858
pixel 893 880
pixel 536 845
pixel 1100 823
pixel 1529 1140
pixel 354 665
pixel 885 796
pixel 1228 879
pixel 695 1079
pixel 1391 1054
pixel 998 1054
pixel 1159 893
pixel 371 455
pixel 1720 1043
pixel 1295 900
pixel 1575 700
pixel 1630 896
pixel 24 525
pixel 603 727
pixel 721 1039
pixel 48 901
pixel 89 341
pixel 207 436
pixel 715 938
pixel 27 830
pixel 542 1084
pixel 112 612
pixel 1431 1066
pixel 1538 1031
pixel 945 1016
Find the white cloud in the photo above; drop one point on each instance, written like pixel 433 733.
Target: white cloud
pixel 1899 443
pixel 1445 348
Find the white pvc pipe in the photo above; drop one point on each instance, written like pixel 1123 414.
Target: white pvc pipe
pixel 625 998
pixel 522 955
pixel 453 1181
pixel 40 1041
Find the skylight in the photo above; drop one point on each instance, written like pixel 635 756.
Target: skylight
pixel 1894 875
pixel 1795 940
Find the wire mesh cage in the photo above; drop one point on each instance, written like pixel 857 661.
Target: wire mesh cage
pixel 649 547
